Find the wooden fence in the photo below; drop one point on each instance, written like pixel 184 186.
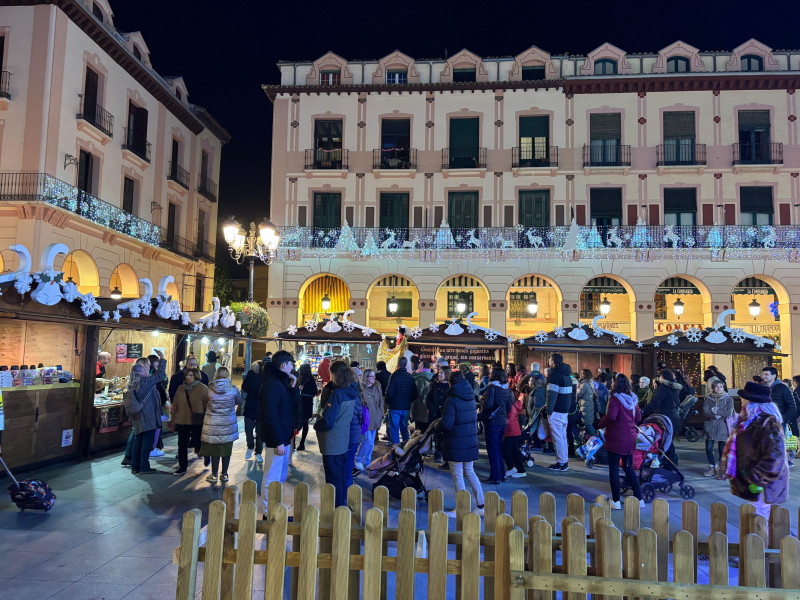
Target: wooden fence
pixel 344 552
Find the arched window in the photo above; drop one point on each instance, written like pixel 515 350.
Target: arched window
pixel 751 62
pixel 605 66
pixel 678 64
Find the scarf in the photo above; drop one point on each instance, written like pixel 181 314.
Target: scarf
pixel 190 386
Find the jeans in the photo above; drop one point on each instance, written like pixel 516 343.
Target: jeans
pixel 511 454
pixel 129 446
pixel 140 453
pixel 364 453
pixel 335 466
pixel 350 458
pixel 558 430
pixel 253 441
pixel 461 469
pixel 398 426
pixel 494 437
pixel 276 468
pixel 630 475
pixel 226 461
pixel 710 451
pixel 184 435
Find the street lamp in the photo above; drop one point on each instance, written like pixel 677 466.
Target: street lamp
pixel 605 307
pixel 461 305
pixel 755 308
pixel 326 303
pixel 116 294
pixel 392 305
pixel 677 306
pixel 533 305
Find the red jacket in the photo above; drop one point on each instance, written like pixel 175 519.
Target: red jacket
pixel 324 370
pixel 620 424
pixel 512 425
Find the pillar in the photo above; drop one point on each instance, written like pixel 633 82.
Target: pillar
pixel 570 312
pixel 497 315
pixel 359 306
pixel 427 312
pixel 643 322
pixel 723 362
pixel 790 337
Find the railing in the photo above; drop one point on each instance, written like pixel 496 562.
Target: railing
pixel 464 158
pixel 174 243
pixel 394 158
pixel 205 250
pixel 41 187
pixel 137 144
pixel 538 155
pixel 668 155
pixel 5 83
pixel 606 155
pixel 178 174
pixel 326 159
pixel 758 154
pixel 97 116
pixel 206 187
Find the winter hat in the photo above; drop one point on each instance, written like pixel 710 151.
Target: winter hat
pixel 754 392
pixel 211 356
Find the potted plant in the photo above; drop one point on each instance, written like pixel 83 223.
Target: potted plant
pixel 254 318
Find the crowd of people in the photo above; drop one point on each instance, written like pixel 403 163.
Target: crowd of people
pixel 455 403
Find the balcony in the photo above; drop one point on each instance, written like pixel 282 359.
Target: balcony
pixel 5 85
pixel 394 158
pixel 41 187
pixel 205 250
pixel 174 243
pixel 207 188
pixel 178 174
pixel 334 159
pixel 97 117
pixel 675 155
pixel 607 155
pixel 463 158
pixel 538 155
pixel 758 154
pixel 138 145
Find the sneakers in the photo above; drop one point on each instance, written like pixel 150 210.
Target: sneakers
pixel 479 510
pixel 156 453
pixel 451 514
pixel 224 477
pixel 301 448
pixel 711 471
pixel 642 503
pixel 179 473
pixel 518 474
pixel 559 467
pixel 212 478
pixel 126 462
pixel 511 472
pixel 259 459
pixel 249 454
pixel 360 466
pixel 615 505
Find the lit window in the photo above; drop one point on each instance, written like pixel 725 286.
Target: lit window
pixel 751 62
pixel 330 77
pixel 397 76
pixel 678 64
pixel 605 66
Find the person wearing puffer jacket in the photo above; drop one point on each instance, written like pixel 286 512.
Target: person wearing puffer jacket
pixel 666 401
pixel 511 441
pixel 220 428
pixel 495 405
pixel 586 396
pixel 620 420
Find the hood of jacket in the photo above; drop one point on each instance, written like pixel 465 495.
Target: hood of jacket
pixel 424 375
pixel 350 392
pixel 463 391
pixel 221 386
pixel 673 384
pixel 627 400
pixel 498 384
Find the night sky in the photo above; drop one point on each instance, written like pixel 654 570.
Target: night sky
pixel 226 50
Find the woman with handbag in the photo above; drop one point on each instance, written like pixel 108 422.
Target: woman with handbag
pixel 143 404
pixel 186 411
pixel 495 405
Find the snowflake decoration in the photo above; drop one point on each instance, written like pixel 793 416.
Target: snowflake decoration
pixel 491 335
pixel 737 335
pixel 367 332
pixel 311 325
pixel 292 329
pixel 89 305
pixel 639 345
pixel 135 310
pixel 760 342
pixel 116 316
pixel 598 333
pixel 416 332
pixel 106 316
pixel 472 328
pixel 541 337
pixel 197 327
pixel 23 283
pixel 348 326
pixel 778 347
pixel 694 334
pixel 70 291
pixel 619 339
pixel 275 334
pixel 146 305
pixel 672 340
pixel 656 344
pixel 433 327
pixel 559 332
pixel 511 339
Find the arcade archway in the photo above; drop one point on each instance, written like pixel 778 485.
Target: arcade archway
pixel 392 299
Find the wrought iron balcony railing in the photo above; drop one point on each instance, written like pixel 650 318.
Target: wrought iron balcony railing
pixel 5 85
pixel 538 155
pixel 464 158
pixel 205 250
pixel 680 154
pixel 326 159
pixel 206 187
pixel 758 154
pixel 178 174
pixel 394 158
pixel 606 155
pixel 137 144
pixel 97 116
pixel 169 240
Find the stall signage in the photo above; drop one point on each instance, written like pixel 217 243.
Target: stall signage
pixel 129 352
pixel 759 291
pixel 677 291
pixel 109 418
pixel 761 328
pixel 669 326
pixel 603 289
pixel 66 437
pixel 472 355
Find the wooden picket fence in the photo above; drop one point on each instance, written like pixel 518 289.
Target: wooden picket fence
pixel 344 552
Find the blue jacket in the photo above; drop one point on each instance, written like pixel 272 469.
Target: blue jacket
pixel 251 386
pixel 459 424
pixel 335 425
pixel 402 390
pixel 276 402
pixel 497 401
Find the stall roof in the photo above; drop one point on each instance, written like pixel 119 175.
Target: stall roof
pixel 592 343
pixel 684 345
pixel 318 336
pixel 464 339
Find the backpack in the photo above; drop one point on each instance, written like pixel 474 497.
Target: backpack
pixel 364 419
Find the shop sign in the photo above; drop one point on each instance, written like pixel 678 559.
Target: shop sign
pixel 759 291
pixel 471 355
pixel 603 289
pixel 66 437
pixel 761 328
pixel 129 352
pixel 677 291
pixel 109 418
pixel 669 326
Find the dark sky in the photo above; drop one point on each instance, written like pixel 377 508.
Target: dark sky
pixel 226 50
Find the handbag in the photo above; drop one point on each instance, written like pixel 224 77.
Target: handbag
pixel 197 418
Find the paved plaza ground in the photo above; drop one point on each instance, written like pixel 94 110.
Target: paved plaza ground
pixel 111 534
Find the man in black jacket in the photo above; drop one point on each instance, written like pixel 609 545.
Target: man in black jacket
pixel 782 397
pixel 400 393
pixel 382 375
pixel 277 399
pixel 559 398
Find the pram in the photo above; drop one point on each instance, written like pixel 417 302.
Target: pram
pixel 402 465
pixel 655 434
pixel 528 436
pixel 684 412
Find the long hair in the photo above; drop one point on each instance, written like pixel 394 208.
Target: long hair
pixel 622 385
pixel 304 373
pixel 344 377
pixel 446 371
pixel 138 372
pixel 754 408
pixel 365 375
pixel 586 375
pixel 499 375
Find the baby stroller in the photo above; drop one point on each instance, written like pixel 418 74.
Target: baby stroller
pixel 527 442
pixel 655 435
pixel 402 465
pixel 684 412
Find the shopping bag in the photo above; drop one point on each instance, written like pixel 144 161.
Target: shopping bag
pixel 590 448
pixel 543 430
pixel 791 442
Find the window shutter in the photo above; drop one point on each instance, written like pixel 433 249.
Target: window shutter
pixel 487 216
pixel 348 214
pixel 369 216
pixel 605 126
pixel 418 216
pixel 560 220
pixel 464 133
pixel 680 200
pixel 438 215
pixel 632 214
pixel 606 202
pixel 533 127
pixel 730 214
pixel 654 215
pixel 753 119
pixel 755 199
pixel 679 125
pixel 785 214
pixel 302 216
pixel 580 214
pixel 508 216
pixel 708 214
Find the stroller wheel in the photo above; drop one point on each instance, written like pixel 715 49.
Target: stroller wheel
pixel 648 492
pixel 665 489
pixel 589 463
pixel 692 434
pixel 529 463
pixel 687 492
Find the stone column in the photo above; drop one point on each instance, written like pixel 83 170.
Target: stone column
pixel 643 324
pixel 723 362
pixel 359 305
pixel 427 312
pixel 497 315
pixel 570 312
pixel 790 338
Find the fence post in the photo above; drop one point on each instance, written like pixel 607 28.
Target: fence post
pixel 502 575
pixel 215 539
pixel 249 492
pixel 373 553
pixel 632 517
pixel 647 555
pixel 719 518
pixel 300 504
pixel 690 523
pixel 753 563
pixel 230 496
pixel 274 493
pixel 309 538
pixel 187 556
pixel 354 503
pixel 245 551
pixel 573 553
pixel 605 502
pixel 576 507
pixel 683 558
pixel 435 502
pixel 745 510
pixel 516 551
pixel 519 510
pixel 779 527
pixel 596 512
pixel 278 519
pixel 380 500
pixel 541 554
pixel 661 527
pixel 599 535
pixel 490 514
pixel 437 558
pixel 327 502
pixel 547 508
pixel 406 539
pixel 463 508
pixel 718 559
pixel 790 563
pixel 630 566
pixel 408 499
pixel 611 550
pixel 340 553
pixel 471 557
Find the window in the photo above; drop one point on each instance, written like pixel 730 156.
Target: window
pixel 201 229
pixel 397 76
pixel 751 62
pixel 328 144
pixel 327 210
pixel 172 222
pixel 136 52
pixel 90 92
pixel 590 305
pixel 395 144
pixel 534 141
pixel 453 298
pixel 404 308
pixel 605 136
pixel 605 205
pixel 394 212
pixel 754 137
pixel 330 77
pixel 755 205
pixel 464 75
pixel 680 206
pixel 605 66
pixel 678 64
pixel 86 172
pixel 534 208
pixel 535 73
pixel 198 293
pixel 137 130
pixel 97 12
pixel 679 138
pixel 462 210
pixel 464 143
pixel 128 195
pixel 178 94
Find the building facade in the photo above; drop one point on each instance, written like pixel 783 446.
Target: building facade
pixel 533 189
pixel 100 152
